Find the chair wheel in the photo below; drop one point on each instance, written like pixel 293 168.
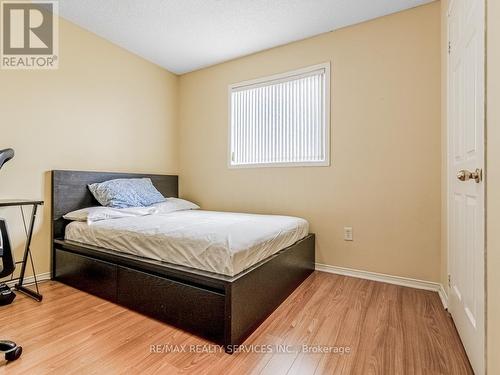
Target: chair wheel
pixel 15 354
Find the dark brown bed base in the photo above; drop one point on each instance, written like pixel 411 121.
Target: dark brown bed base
pixel 223 309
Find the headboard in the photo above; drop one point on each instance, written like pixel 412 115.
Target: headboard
pixel 70 192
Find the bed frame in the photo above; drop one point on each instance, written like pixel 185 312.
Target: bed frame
pixel 223 309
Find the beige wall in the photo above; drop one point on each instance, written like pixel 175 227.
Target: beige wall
pixel 107 109
pixel 386 145
pixel 493 187
pixel 104 109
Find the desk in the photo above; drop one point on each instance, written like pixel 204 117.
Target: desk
pixel 27 250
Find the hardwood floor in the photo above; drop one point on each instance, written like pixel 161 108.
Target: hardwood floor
pixel 387 329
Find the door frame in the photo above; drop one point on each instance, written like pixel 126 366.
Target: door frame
pixel 450 4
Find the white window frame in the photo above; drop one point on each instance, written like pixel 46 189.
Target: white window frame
pixel 276 78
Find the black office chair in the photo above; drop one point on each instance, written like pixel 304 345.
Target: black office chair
pixel 8 266
pixel 5 156
pixel 9 348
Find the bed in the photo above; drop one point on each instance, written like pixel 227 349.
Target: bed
pixel 215 274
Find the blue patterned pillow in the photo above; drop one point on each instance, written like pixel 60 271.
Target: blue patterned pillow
pixel 126 192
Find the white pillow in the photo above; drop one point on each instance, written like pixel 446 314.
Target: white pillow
pixel 174 204
pixel 93 214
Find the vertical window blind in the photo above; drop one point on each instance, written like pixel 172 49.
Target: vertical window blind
pixel 281 120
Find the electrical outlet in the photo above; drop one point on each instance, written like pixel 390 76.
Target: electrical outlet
pixel 347 233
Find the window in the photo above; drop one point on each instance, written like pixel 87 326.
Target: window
pixel 281 120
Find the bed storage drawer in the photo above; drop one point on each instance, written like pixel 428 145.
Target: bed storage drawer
pixel 90 275
pixel 185 306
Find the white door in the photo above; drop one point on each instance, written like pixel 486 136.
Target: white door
pixel 466 98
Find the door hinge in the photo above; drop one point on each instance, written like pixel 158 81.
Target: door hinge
pixel 449 48
pixel 449 281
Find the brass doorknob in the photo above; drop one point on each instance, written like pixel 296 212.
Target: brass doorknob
pixel 465 175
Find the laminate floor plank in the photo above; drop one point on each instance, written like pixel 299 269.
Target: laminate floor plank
pixel 329 325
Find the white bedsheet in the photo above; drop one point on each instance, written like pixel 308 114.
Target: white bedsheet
pixel 220 242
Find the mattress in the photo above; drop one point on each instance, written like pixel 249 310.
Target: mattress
pixel 221 242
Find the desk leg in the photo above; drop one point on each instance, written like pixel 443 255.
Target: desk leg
pixel 19 286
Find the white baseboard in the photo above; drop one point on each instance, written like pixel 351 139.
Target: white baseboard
pixel 444 296
pixel 30 279
pixel 367 275
pixel 390 279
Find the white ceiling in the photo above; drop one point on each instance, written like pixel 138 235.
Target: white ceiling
pixel 186 35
